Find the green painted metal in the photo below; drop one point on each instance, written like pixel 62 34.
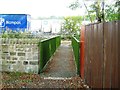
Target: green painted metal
pixel 76 50
pixel 47 49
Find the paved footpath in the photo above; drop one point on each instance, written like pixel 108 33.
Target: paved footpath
pixel 62 63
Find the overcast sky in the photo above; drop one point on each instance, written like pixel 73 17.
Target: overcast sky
pixel 38 8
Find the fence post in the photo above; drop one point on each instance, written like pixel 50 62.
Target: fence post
pixel 82 52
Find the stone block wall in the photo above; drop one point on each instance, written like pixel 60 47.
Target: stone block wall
pixel 19 55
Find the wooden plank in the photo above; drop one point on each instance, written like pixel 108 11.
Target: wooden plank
pixel 107 55
pixel 114 77
pixel 86 55
pixel 99 56
pixel 92 54
pixel 118 52
pixel 117 81
pixel 89 51
pixel 94 65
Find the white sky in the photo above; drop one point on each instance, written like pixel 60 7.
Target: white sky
pixel 38 8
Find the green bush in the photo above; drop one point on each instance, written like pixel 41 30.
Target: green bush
pixel 13 34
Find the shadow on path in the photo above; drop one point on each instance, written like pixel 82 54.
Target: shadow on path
pixel 62 63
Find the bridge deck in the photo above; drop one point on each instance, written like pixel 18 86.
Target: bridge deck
pixel 62 63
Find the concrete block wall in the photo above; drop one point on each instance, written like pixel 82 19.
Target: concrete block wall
pixel 19 55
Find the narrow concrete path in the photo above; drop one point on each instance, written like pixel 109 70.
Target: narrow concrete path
pixel 62 63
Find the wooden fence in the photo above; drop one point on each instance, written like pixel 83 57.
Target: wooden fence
pixel 102 54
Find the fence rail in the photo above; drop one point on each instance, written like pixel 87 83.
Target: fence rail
pixel 101 54
pixel 47 49
pixel 76 46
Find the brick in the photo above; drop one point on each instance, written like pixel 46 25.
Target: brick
pixel 12 53
pixel 11 62
pixel 4 48
pixel 3 57
pixel 22 58
pixel 8 57
pixel 29 54
pixel 20 49
pixel 21 54
pixel 5 54
pixel 14 58
pixel 33 62
pixel 29 58
pixel 27 49
pixel 35 57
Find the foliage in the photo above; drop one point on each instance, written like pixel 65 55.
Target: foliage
pixel 112 12
pixel 75 5
pixel 92 16
pixel 71 25
pixel 100 10
pixel 14 34
pixel 97 9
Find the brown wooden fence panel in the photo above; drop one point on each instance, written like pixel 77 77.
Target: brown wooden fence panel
pixel 87 54
pixel 89 64
pixel 94 61
pixel 95 55
pixel 114 77
pixel 102 55
pixel 98 56
pixel 90 49
pixel 85 61
pixel 85 58
pixel 118 52
pixel 107 54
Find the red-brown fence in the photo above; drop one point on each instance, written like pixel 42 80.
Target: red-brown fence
pixel 102 54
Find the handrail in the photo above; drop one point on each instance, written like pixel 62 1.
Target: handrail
pixel 47 49
pixel 76 50
pixel 76 39
pixel 49 38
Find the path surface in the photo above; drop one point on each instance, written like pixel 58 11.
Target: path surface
pixel 62 63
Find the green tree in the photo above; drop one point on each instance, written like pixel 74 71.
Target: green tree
pixel 100 10
pixel 112 11
pixel 97 9
pixel 77 4
pixel 71 25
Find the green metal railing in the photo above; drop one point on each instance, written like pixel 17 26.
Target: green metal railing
pixel 76 50
pixel 47 49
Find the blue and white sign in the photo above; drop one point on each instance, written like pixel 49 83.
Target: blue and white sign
pixel 2 22
pixel 13 21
